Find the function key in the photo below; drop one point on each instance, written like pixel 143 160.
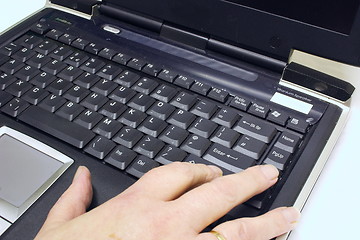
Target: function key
pixel 107 53
pixel 259 110
pixel 80 43
pixel 184 81
pixel 136 64
pixel 298 124
pixel 54 34
pixel 218 95
pixel 67 38
pixel 167 75
pixel 201 88
pixel 121 58
pixel 151 69
pixel 93 48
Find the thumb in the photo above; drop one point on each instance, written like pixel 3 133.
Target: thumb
pixel 74 201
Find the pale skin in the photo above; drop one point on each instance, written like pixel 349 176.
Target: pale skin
pixel 173 202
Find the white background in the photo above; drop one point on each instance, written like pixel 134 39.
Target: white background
pixel 332 211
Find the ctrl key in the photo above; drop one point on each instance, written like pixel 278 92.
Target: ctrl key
pixel 278 158
pixel 141 165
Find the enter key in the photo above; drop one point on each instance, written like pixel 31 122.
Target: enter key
pixel 228 158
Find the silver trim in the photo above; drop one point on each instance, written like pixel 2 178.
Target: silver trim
pixel 315 173
pixel 12 213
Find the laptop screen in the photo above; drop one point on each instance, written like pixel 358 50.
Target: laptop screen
pixel 333 15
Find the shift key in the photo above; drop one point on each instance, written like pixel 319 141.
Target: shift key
pixel 228 158
pixel 57 126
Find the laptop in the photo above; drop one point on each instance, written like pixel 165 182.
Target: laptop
pixel 123 87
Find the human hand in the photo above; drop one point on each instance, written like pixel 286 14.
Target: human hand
pixel 173 202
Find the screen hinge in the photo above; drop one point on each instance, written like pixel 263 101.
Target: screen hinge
pixel 131 18
pixel 318 81
pixel 85 6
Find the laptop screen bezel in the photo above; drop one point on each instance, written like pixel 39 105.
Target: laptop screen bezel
pixel 252 29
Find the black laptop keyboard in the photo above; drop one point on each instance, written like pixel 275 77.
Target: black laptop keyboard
pixel 135 115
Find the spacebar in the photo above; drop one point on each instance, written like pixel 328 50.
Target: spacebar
pixel 57 126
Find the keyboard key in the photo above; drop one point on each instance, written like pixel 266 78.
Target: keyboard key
pixel 197 160
pixel 109 71
pixel 171 154
pixel 297 124
pixel 46 47
pixel 80 43
pixel 113 109
pixel 61 53
pixel 121 157
pixel 127 78
pixel 70 110
pixel 218 95
pixel 141 165
pixel 67 38
pixel 164 93
pixel 259 110
pixel 59 86
pixel 132 117
pixel 54 67
pixel 184 101
pixel 288 142
pixel 107 53
pixel 121 58
pixel 161 110
pixel 203 127
pixel 100 147
pixel 149 146
pixel 141 102
pixel 145 85
pixel 107 127
pixel 52 103
pixel 15 107
pixel 240 103
pixel 56 126
pixel 93 48
pixel 88 119
pixel 70 73
pixel 250 147
pixel 151 69
pixel 23 54
pixel 128 137
pixel 136 63
pixel 92 65
pixel 6 80
pixel 152 126
pixel 18 88
pixel 225 136
pixel 167 75
pixel 4 98
pixel 227 158
pixel 122 94
pixel 184 81
pixel 29 41
pixel 94 101
pixel 54 34
pixel 204 109
pixel 278 117
pixel 278 158
pixel 201 88
pixel 87 80
pixel 43 79
pixel 27 73
pixel 256 128
pixel 38 60
pixel 10 49
pixel 40 28
pixel 196 145
pixel 174 135
pixel 12 66
pixel 104 87
pixel 226 117
pixel 181 118
pixel 76 93
pixel 77 58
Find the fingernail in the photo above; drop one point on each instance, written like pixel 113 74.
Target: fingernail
pixel 292 215
pixel 269 171
pixel 216 170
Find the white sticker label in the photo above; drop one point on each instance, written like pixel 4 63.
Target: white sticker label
pixel 291 103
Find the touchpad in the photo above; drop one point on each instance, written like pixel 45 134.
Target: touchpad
pixel 27 168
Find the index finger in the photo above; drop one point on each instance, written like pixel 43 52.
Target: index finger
pixel 210 201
